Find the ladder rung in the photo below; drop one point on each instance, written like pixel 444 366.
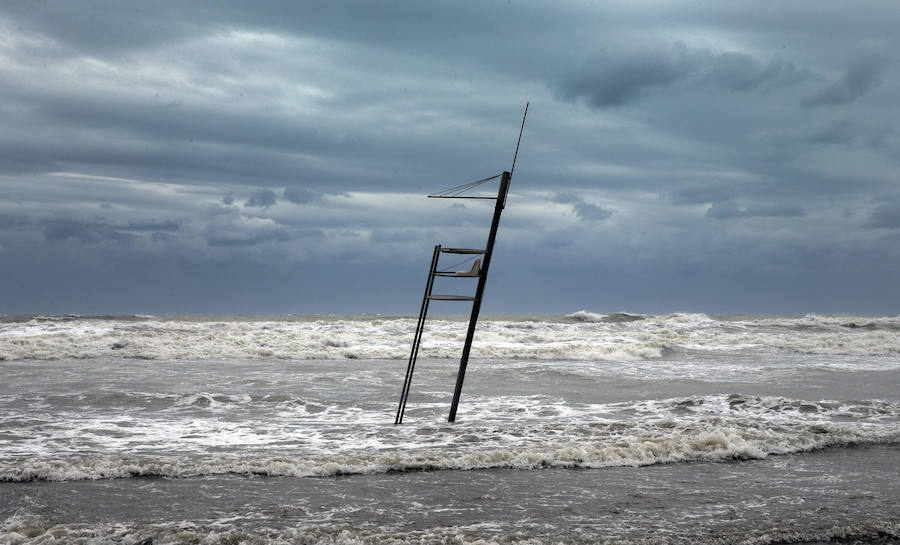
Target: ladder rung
pixel 462 250
pixel 451 298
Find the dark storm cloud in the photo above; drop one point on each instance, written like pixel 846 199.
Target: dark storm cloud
pixel 227 240
pixel 132 117
pixel 12 221
pixel 614 79
pixel 300 195
pixel 205 138
pixel 303 195
pixel 200 141
pixel 110 28
pixel 162 237
pixel 103 28
pixel 731 210
pixel 583 210
pixel 98 232
pixel 170 225
pixel 591 212
pixel 246 232
pixel 566 198
pixel 862 74
pixel 262 198
pixel 401 235
pixel 62 230
pixel 741 72
pixel 885 216
pixel 613 82
pixel 840 132
pixel 700 193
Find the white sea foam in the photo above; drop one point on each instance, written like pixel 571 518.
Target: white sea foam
pixel 527 433
pixel 580 336
pixel 724 444
pixel 585 316
pixel 29 529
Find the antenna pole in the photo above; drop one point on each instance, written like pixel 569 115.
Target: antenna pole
pixel 522 128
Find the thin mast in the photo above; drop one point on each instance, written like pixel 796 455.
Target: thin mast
pixel 519 141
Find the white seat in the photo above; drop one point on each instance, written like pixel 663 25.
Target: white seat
pixel 474 271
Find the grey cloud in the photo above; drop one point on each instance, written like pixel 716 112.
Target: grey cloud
pixel 63 230
pixel 211 97
pixel 299 195
pixel 885 216
pixel 555 240
pixel 262 198
pixel 231 229
pixel 112 28
pixel 724 210
pixel 730 210
pixel 583 210
pixel 592 212
pixel 610 81
pixel 58 230
pixel 839 132
pixel 215 210
pixel 399 235
pixel 237 240
pixel 162 237
pixel 861 75
pixel 616 79
pixel 302 195
pixel 104 28
pixel 170 225
pixel 12 221
pixel 741 72
pixel 566 198
pixel 226 143
pixel 700 193
pixel 775 211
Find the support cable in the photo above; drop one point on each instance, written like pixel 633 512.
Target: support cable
pixel 453 191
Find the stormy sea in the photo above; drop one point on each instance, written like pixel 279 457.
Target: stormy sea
pixel 579 428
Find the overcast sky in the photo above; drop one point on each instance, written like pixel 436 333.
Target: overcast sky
pixel 246 157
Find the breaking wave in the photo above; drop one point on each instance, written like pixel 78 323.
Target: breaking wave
pixel 579 336
pixel 586 444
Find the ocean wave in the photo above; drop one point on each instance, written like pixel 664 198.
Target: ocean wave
pixel 301 431
pixel 578 336
pixel 27 528
pixel 615 317
pixel 663 441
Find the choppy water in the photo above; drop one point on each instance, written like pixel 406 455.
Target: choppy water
pixel 583 428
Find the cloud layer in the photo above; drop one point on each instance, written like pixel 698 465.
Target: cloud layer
pixel 211 157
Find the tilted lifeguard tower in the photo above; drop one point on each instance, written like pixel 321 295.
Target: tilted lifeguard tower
pixel 479 269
